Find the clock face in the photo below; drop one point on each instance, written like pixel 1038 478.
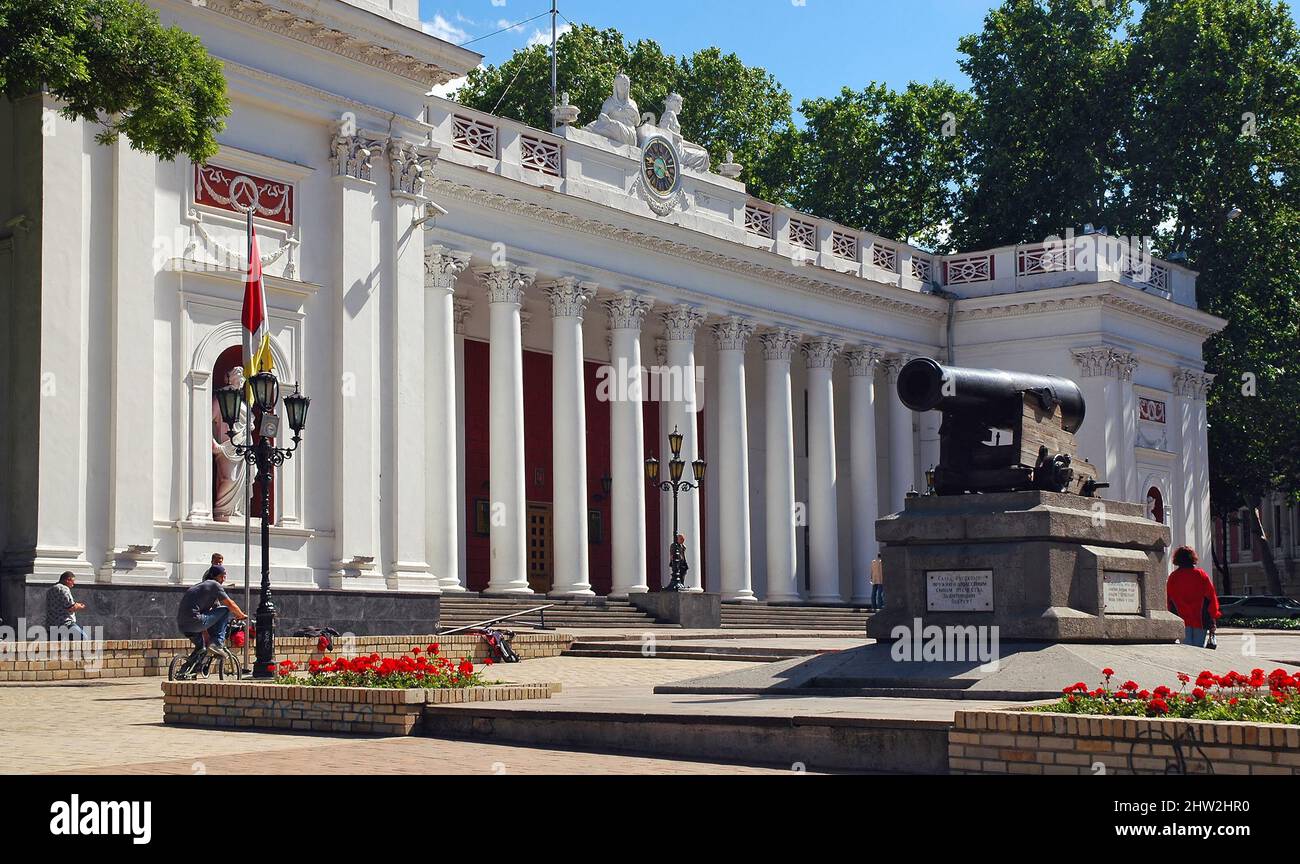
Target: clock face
pixel 659 166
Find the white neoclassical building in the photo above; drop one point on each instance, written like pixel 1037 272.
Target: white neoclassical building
pixel 468 301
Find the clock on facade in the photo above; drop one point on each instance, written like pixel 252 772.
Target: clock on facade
pixel 660 167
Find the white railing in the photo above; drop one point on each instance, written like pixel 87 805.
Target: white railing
pixel 539 155
pixel 758 221
pixel 474 136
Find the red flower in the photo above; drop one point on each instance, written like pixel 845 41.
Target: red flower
pixel 433 649
pixel 1184 677
pixel 1198 694
pixel 1108 672
pixel 1130 685
pixel 487 661
pixel 416 651
pixel 1158 706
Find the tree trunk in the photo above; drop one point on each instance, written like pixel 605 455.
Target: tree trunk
pixel 1270 566
pixel 1220 553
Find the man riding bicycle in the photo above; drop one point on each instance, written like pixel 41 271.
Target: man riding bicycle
pixel 206 609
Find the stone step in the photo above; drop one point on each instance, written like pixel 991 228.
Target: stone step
pixel 661 654
pixel 712 651
pixel 836 743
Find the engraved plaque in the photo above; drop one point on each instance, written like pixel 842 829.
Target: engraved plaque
pixel 1121 593
pixel 959 590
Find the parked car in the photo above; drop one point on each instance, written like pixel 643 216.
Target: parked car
pixel 1260 607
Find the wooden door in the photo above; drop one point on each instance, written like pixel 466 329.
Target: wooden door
pixel 540 539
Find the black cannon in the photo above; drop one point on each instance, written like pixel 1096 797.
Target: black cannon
pixel 1002 431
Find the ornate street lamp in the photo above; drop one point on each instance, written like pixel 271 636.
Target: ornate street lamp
pixel 265 457
pixel 677 566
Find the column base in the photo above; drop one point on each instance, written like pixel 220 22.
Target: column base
pixel 575 594
pixel 746 596
pixel 623 595
pixel 451 587
pixel 139 565
pixel 508 592
pixel 413 578
pixel 356 574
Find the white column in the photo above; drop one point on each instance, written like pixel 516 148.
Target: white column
pixel 682 409
pixel 627 441
pixel 1109 438
pixel 1191 387
pixel 732 335
pixel 461 310
pixel 569 299
pixel 505 288
pixel 131 451
pixel 411 346
pixel 862 445
pixel 443 403
pixel 356 267
pixel 1182 508
pixel 660 383
pixel 782 551
pixel 902 461
pixel 823 486
pixel 60 454
pixel 1125 364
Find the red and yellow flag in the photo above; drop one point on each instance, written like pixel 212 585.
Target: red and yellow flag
pixel 257 331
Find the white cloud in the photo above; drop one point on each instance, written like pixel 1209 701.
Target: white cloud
pixel 445 90
pixel 444 29
pixel 541 37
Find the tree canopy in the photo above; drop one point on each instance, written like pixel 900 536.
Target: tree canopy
pixel 727 106
pixel 1177 120
pixel 112 62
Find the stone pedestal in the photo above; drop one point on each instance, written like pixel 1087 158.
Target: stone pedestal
pixel 690 610
pixel 1040 566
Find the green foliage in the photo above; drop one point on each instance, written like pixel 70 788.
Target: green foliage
pixel 1216 124
pixel 889 162
pixel 111 61
pixel 1049 75
pixel 728 106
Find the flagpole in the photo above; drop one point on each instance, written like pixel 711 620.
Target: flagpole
pixel 248 478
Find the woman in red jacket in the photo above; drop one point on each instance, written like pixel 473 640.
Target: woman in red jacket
pixel 1191 596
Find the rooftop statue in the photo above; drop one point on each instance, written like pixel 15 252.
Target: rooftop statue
pixel 619 116
pixel 694 157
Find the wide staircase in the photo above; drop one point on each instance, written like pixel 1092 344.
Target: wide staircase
pixel 761 616
pixel 462 611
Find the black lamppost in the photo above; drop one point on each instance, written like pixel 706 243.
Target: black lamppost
pixel 677 566
pixel 265 457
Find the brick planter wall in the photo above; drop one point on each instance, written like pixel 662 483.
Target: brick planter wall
pixel 346 710
pixel 149 657
pixel 1021 742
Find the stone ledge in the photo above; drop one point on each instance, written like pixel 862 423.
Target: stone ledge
pixel 344 710
pixel 996 742
pixel 143 658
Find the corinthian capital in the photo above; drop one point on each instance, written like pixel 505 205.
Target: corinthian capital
pixel 409 166
pixel 733 333
pixel 779 344
pixel 864 361
pixel 1193 384
pixel 1104 361
pixel 627 311
pixel 821 352
pixel 569 297
pixel 893 365
pixel 351 155
pixel 460 311
pixel 505 284
pixel 442 266
pixel 681 322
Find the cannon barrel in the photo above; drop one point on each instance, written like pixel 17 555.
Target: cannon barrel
pixel 921 387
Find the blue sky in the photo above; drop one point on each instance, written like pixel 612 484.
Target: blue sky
pixel 814 47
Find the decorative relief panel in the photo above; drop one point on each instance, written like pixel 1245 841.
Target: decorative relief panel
pixel 965 271
pixel 758 221
pixel 474 136
pixel 236 191
pixel 803 234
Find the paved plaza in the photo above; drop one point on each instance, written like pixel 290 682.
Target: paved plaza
pixel 115 727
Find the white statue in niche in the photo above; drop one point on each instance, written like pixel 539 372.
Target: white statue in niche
pixel 694 157
pixel 228 496
pixel 619 116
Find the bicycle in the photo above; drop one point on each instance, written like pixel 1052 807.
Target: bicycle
pixel 199 663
